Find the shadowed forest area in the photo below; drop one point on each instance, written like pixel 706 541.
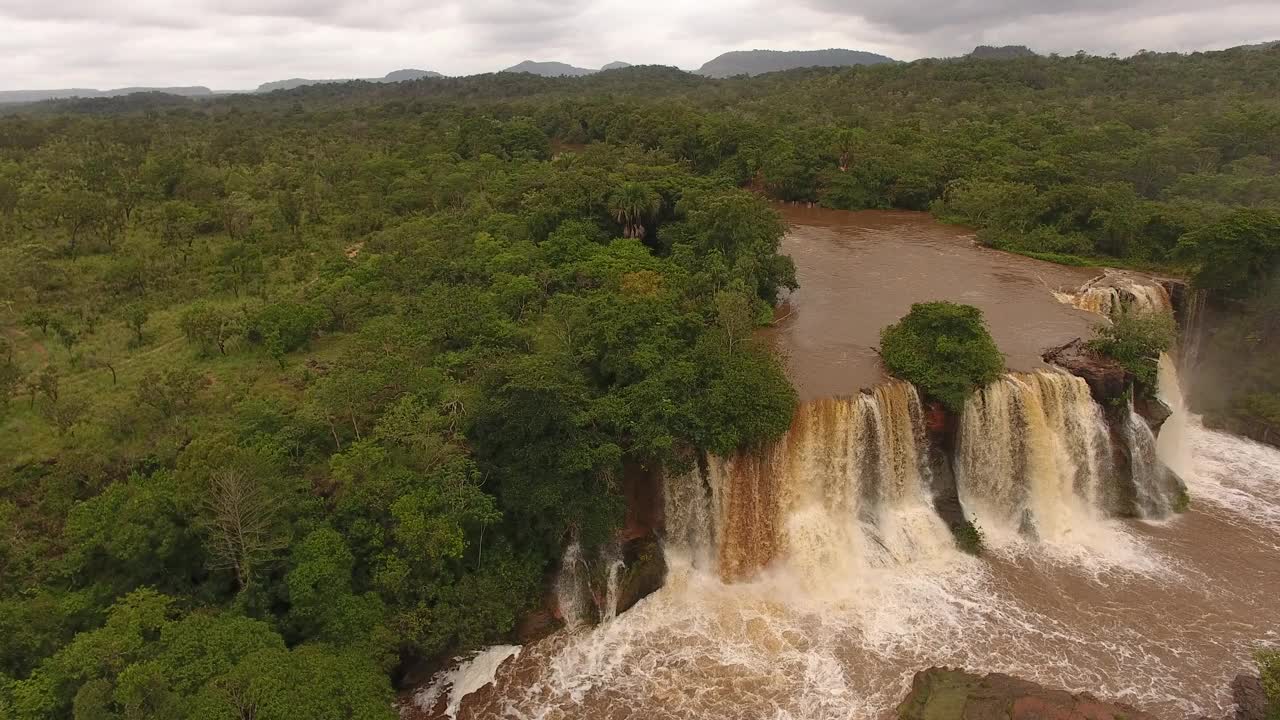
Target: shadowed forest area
pixel 301 390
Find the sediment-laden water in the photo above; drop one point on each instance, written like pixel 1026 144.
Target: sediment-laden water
pixel 810 579
pixel 861 271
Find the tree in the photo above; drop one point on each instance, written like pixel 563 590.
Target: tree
pixel 37 318
pixel 171 392
pixel 135 317
pixel 46 382
pixel 135 532
pixel 236 212
pixel 241 518
pixel 77 210
pixel 66 336
pixel 633 205
pixel 735 316
pixel 289 207
pixel 178 221
pixel 1237 255
pixel 944 349
pixel 307 683
pixel 1136 341
pixel 97 361
pixel 208 326
pixel 65 414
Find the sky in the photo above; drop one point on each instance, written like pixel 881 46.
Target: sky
pixel 238 44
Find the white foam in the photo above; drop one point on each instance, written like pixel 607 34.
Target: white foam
pixel 465 677
pixel 770 648
pixel 1234 475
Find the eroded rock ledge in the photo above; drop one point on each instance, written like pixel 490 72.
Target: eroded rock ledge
pixel 949 694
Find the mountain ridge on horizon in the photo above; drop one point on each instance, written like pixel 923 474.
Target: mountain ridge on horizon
pixel 735 62
pixel 758 62
pixel 552 68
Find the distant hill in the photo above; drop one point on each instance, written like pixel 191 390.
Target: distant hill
pixel 616 65
pixel 27 96
pixel 756 62
pixel 1258 46
pixel 549 69
pixel 1004 52
pixel 393 76
pixel 409 74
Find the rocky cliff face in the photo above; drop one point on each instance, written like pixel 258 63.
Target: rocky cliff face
pixel 1108 380
pixel 1111 386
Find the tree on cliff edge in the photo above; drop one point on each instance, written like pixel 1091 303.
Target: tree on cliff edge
pixel 944 349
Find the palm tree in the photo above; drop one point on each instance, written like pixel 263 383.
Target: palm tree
pixel 632 206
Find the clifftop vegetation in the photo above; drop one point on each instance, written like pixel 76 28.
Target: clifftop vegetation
pixel 944 349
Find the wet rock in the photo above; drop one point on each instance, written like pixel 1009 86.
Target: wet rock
pixel 938 420
pixel 951 694
pixel 942 426
pixel 1108 380
pixel 642 490
pixel 1153 410
pixel 1250 697
pixel 644 571
pixel 537 624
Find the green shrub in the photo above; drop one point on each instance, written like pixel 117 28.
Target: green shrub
pixel 1183 502
pixel 1269 669
pixel 969 537
pixel 1136 341
pixel 944 349
pixel 289 325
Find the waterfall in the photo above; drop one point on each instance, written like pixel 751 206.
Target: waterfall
pixel 1150 299
pixel 1114 293
pixel 1154 497
pixel 687 508
pixel 610 610
pixel 1173 446
pixel 1032 456
pixel 1100 300
pixel 463 678
pixel 573 594
pixel 847 488
pixel 1191 331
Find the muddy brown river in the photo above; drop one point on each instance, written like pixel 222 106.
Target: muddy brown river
pixel 861 271
pixel 1160 614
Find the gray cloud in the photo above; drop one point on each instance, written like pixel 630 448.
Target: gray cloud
pixel 241 43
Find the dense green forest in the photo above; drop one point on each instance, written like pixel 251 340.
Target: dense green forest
pixel 300 389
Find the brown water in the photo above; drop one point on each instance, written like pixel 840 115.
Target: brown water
pixel 860 586
pixel 861 271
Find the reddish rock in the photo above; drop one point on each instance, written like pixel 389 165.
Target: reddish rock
pixel 1108 380
pixel 642 489
pixel 937 419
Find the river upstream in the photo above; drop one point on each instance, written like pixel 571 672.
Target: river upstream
pixel 862 585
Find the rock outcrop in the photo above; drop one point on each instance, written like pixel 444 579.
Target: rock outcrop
pixel 947 694
pixel 942 425
pixel 644 571
pixel 1108 380
pixel 1250 698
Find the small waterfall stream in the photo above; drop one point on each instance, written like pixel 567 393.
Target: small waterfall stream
pixel 1032 457
pixel 573 590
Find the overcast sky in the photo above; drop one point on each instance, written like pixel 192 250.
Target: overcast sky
pixel 235 44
